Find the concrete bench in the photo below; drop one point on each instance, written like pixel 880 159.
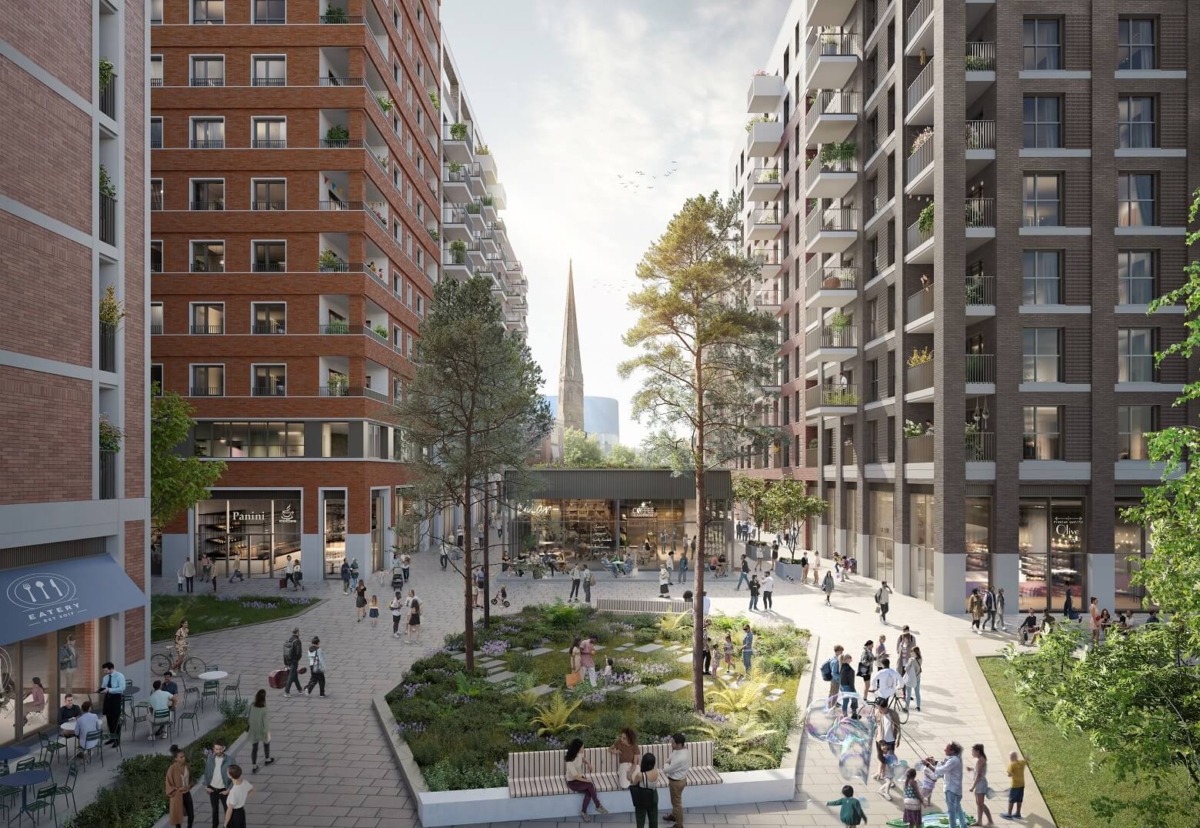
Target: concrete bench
pixel 648 606
pixel 542 773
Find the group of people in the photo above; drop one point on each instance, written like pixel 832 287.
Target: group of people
pixel 638 773
pixel 186 575
pixel 294 659
pixel 986 607
pixel 224 779
pixel 717 650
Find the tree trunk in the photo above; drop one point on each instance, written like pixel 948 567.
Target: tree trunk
pixel 700 557
pixel 468 604
pixel 487 546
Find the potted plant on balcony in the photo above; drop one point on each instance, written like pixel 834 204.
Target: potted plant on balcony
pixel 487 201
pixel 337 133
pixel 975 289
pixel 973 213
pixel 839 323
pixel 334 15
pixel 328 261
pixel 977 63
pixel 483 150
pixel 106 73
pixel 832 280
pixel 974 445
pixel 920 140
pixel 110 436
pixel 458 251
pixel 107 188
pixel 913 429
pixel 770 176
pixel 381 332
pixel 385 103
pixel 112 310
pixel 435 100
pixel 433 234
pixel 812 444
pixel 922 357
pixel 339 385
pixel 458 132
pixel 474 207
pixel 337 326
pixel 925 219
pixel 838 153
pixel 455 167
pixel 757 119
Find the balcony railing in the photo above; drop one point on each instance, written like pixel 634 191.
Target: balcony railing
pixel 207 330
pixel 981 135
pixel 337 389
pixel 449 133
pixel 108 98
pixel 269 328
pixel 761 217
pixel 981 212
pixel 832 219
pixel 832 277
pixel 268 143
pixel 339 19
pixel 452 175
pixel 208 204
pixel 878 389
pixel 155 328
pixel 259 81
pixel 207 82
pixel 108 475
pixel 981 368
pixel 768 298
pixel 981 57
pixel 820 396
pixel 108 347
pixel 917 236
pixel 981 289
pixel 819 167
pixel 764 175
pixel 268 391
pixel 827 337
pixel 207 391
pixel 208 143
pixel 268 267
pixel 834 102
pixel 920 303
pixel 340 143
pixel 268 205
pixel 918 377
pixel 337 206
pixel 334 80
pixel 920 159
pixel 833 44
pixel 981 447
pixel 372 394
pixel 156 81
pixel 921 86
pixel 768 257
pixel 339 329
pixel 919 449
pixel 919 15
pixel 108 219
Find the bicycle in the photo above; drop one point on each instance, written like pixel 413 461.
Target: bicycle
pixel 900 706
pixel 191 666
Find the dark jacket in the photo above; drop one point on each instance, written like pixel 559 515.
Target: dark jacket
pixel 295 651
pixel 846 676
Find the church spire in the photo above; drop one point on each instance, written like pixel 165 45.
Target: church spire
pixel 570 369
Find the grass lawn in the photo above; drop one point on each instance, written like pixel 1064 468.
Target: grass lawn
pixel 1062 766
pixel 461 728
pixel 205 613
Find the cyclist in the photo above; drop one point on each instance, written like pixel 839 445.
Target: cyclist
pixel 181 644
pixel 886 681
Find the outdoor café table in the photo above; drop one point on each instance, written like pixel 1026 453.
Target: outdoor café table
pixel 213 675
pixel 12 752
pixel 26 780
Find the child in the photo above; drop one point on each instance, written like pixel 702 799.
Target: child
pixel 912 799
pixel 888 760
pixel 928 783
pixel 374 611
pixel 608 670
pixel 728 650
pixel 179 584
pixel 1016 792
pixel 851 809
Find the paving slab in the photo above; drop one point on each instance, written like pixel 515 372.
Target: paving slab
pixel 648 648
pixel 674 684
pixel 503 675
pixel 541 651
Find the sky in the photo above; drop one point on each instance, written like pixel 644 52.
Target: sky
pixel 569 95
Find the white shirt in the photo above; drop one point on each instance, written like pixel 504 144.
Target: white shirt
pixel 290 567
pixel 397 607
pixel 678 764
pixel 214 781
pixel 238 792
pixel 769 584
pixel 885 682
pixel 707 604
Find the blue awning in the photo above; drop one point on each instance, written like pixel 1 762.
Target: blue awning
pixel 48 597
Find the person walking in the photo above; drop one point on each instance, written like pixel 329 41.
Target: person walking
pixel 1016 789
pixel 816 566
pixel 589 580
pixel 708 645
pixel 217 779
pixel 297 578
pixel 292 653
pixel 578 772
pixel 904 645
pixel 846 686
pixel 683 567
pixel 979 785
pixel 768 587
pixel 950 771
pixel 345 572
pixel 360 600
pixel 1094 621
pixel 883 597
pixel 912 677
pixel 373 611
pixel 727 652
pixel 866 663
pixel 354 579
pixel 827 587
pixel 975 607
pixel 587 660
pixel 676 770
pixel 850 810
pixel 405 566
pixel 643 790
pixel 112 686
pixel 316 666
pixel 259 730
pixel 1000 609
pixel 205 568
pixel 189 573
pixel 413 628
pixel 573 595
pixel 747 646
pixel 179 790
pixel 235 804
pixel 68 662
pixel 288 571
pixel 831 672
pixel 754 588
pixel 989 608
pixel 396 606
pixel 664 582
pixel 1069 605
pixel 744 578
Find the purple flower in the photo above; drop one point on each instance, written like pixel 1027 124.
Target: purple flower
pixel 411 728
pixel 495 649
pixel 553 743
pixel 501 767
pixel 715 717
pixel 523 739
pixel 411 690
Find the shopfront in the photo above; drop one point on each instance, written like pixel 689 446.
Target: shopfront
pixel 921 546
pixel 253 534
pixel 1052 540
pixel 979 544
pixel 882 550
pixel 1131 545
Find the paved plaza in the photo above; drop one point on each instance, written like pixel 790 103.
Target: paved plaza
pixel 334 766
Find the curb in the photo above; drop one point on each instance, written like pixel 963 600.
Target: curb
pixel 238 743
pixel 413 778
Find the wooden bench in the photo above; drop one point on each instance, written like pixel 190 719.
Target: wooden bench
pixel 648 606
pixel 542 773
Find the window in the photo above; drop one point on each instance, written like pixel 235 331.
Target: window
pixel 208 133
pixel 208 381
pixel 1135 277
pixel 208 194
pixel 270 257
pixel 420 306
pixel 208 318
pixel 269 317
pixel 408 351
pixel 270 133
pixel 376 441
pixel 269 70
pixel 1135 200
pixel 1043 433
pixel 208 70
pixel 249 439
pixel 270 11
pixel 156 194
pixel 1134 423
pixel 1135 355
pixel 1042 200
pixel 156 12
pixel 156 257
pixel 1135 122
pixel 208 11
pixel 156 379
pixel 335 439
pixel 1043 122
pixel 1135 44
pixel 269 381
pixel 269 194
pixel 208 257
pixel 156 317
pixel 1042 40
pixel 1041 358
pixel 1041 277
pixel 156 70
pixel 156 133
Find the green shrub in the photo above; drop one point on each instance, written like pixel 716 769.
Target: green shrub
pixel 522 663
pixel 645 636
pixel 458 775
pixel 646 621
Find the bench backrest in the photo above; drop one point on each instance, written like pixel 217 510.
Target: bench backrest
pixel 702 754
pixel 639 606
pixel 540 764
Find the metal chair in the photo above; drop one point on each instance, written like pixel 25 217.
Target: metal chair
pixel 43 802
pixel 236 689
pixel 188 715
pixel 8 800
pixel 67 788
pixel 25 764
pixel 94 742
pixel 188 694
pixel 141 713
pixel 43 766
pixel 212 689
pixel 49 746
pixel 162 718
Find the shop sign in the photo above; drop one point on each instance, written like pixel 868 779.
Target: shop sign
pixel 43 597
pixel 644 510
pixel 288 515
pixel 1068 529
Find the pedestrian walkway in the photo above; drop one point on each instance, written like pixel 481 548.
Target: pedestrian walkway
pixel 333 764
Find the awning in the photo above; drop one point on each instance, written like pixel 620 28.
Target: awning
pixel 51 596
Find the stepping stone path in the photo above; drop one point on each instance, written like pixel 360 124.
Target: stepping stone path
pixel 624 647
pixel 541 651
pixel 635 688
pixel 463 656
pixel 647 648
pixel 674 684
pixel 685 659
pixel 503 675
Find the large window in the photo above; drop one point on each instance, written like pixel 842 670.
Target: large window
pixel 1043 121
pixel 208 257
pixel 1042 200
pixel 334 528
pixel 208 194
pixel 269 194
pixel 208 11
pixel 208 133
pixel 270 317
pixel 1135 44
pixel 1043 433
pixel 1135 200
pixel 270 11
pixel 335 440
pixel 269 70
pixel 157 384
pixel 1134 422
pixel 208 70
pixel 156 318
pixel 270 256
pixel 1042 41
pixel 208 381
pixel 978 537
pixel 1051 539
pixel 1131 544
pixel 882 563
pixel 156 193
pixel 249 439
pixel 208 318
pixel 270 133
pixel 269 381
pixel 156 12
pixel 1135 277
pixel 156 70
pixel 156 257
pixel 1041 277
pixel 1041 355
pixel 1135 355
pixel 156 133
pixel 1135 122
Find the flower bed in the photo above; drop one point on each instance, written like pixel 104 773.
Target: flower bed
pixel 206 613
pixel 461 728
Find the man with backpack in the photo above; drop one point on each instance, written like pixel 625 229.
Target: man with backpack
pixel 883 597
pixel 989 607
pixel 829 672
pixel 293 650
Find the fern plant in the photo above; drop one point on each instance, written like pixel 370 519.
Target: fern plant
pixel 555 717
pixel 747 699
pixel 745 740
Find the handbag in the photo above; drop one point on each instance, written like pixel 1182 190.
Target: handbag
pixel 863 669
pixel 573 679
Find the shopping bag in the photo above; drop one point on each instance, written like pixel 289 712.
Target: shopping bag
pixel 573 679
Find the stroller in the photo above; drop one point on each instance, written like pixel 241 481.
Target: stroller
pixel 501 597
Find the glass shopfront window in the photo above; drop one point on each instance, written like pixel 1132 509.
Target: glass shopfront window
pixel 921 517
pixel 333 505
pixel 658 523
pixel 39 671
pixel 979 543
pixel 1051 540
pixel 1131 544
pixel 250 535
pixel 882 559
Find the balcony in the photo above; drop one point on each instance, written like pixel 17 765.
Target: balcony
pixel 206 330
pixel 830 286
pixel 207 391
pixel 765 224
pixel 763 185
pixel 920 165
pixel 832 178
pixel 454 183
pixel 919 243
pixel 830 400
pixel 981 295
pixel 879 390
pixel 981 374
pixel 487 164
pixel 831 117
pixel 829 12
pixel 981 69
pixel 831 344
pixel 768 300
pixel 832 59
pixel 455 224
pixel 981 221
pixel 108 347
pixel 918 449
pixel 338 328
pixel 108 98
pixel 207 204
pixel 458 143
pixel 918 382
pixel 108 475
pixel 108 219
pixel 919 311
pixel 454 264
pixel 981 447
pixel 831 229
pixel 919 97
pixel 919 29
pixel 769 262
pixel 335 80
pixel 268 390
pixel 765 94
pixel 763 138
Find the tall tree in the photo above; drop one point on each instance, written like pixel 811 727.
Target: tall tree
pixel 623 457
pixel 704 355
pixel 752 493
pixel 473 407
pixel 581 450
pixel 789 504
pixel 177 483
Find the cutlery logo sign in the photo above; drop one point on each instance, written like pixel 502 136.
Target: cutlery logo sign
pixel 41 590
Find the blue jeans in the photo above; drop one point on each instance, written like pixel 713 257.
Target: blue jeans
pixel 915 692
pixel 753 600
pixel 745 579
pixel 746 662
pixel 849 702
pixel 682 574
pixel 954 810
